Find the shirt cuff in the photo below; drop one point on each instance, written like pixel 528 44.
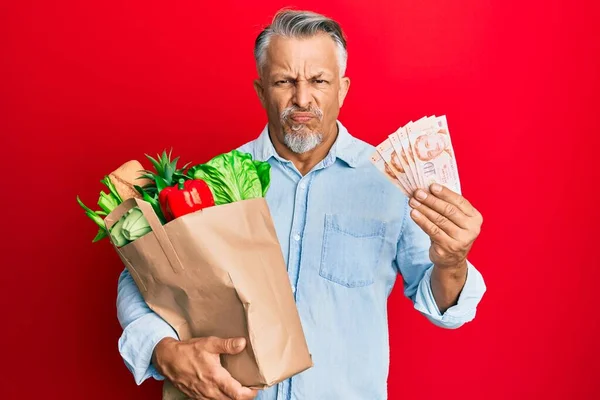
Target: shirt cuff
pixel 459 314
pixel 137 343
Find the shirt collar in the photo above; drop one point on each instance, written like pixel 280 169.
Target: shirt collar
pixel 345 147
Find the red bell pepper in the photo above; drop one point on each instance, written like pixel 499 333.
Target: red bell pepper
pixel 185 198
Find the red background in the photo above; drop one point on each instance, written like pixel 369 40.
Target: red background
pixel 85 86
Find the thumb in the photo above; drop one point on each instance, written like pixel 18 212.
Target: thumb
pixel 229 345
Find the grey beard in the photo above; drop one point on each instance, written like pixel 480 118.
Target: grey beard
pixel 300 139
pixel 300 142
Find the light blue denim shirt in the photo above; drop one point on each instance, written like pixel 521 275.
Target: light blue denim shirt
pixel 346 233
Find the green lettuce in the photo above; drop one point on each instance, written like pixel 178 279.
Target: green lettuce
pixel 234 176
pixel 263 169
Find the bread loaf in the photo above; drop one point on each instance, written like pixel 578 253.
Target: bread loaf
pixel 124 177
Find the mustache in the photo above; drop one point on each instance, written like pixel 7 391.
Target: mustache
pixel 314 110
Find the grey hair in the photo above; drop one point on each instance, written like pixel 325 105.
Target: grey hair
pixel 301 24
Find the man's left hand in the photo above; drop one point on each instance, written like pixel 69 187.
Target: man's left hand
pixel 451 222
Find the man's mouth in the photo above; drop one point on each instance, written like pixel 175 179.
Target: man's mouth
pixel 302 118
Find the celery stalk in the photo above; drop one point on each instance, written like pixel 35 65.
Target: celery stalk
pixel 107 202
pixel 91 214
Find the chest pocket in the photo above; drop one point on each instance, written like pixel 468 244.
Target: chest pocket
pixel 351 249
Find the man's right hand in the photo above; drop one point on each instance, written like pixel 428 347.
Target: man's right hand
pixel 194 367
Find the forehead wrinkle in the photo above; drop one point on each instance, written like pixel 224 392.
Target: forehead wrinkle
pixel 301 61
pixel 309 71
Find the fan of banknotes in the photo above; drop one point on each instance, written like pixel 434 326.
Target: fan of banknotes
pixel 418 155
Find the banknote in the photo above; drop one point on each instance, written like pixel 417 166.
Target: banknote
pixel 418 126
pixel 406 143
pixel 442 124
pixel 392 161
pixel 403 135
pixel 404 159
pixel 382 166
pixel 433 153
pixel 419 154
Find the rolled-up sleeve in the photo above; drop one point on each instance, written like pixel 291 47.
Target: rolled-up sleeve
pixel 142 330
pixel 415 267
pixel 465 308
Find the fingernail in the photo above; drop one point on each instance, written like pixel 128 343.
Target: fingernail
pixel 421 195
pixel 238 343
pixel 436 188
pixel 414 203
pixel 416 213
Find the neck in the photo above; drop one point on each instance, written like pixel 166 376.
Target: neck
pixel 306 161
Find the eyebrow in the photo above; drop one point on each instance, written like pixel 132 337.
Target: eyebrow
pixel 285 75
pixel 323 74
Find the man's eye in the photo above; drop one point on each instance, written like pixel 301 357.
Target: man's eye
pixel 320 81
pixel 282 82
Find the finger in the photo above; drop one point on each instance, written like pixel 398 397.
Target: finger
pixel 453 198
pixel 184 389
pixel 226 346
pixel 435 233
pixel 215 394
pixel 220 395
pixel 448 226
pixel 232 387
pixel 209 391
pixel 448 210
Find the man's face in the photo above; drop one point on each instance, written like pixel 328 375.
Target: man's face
pixel 429 147
pixel 301 89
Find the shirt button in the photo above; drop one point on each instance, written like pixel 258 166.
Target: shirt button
pixel 293 289
pixel 296 237
pixel 303 185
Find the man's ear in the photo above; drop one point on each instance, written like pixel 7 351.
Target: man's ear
pixel 260 91
pixel 344 87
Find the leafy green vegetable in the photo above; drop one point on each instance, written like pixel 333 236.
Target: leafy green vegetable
pixel 116 232
pixel 95 216
pixel 153 200
pixel 107 203
pixel 165 173
pixel 112 189
pixel 90 213
pixel 263 169
pixel 135 225
pixel 100 235
pixel 233 176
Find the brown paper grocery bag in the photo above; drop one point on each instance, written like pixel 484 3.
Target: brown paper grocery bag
pixel 220 272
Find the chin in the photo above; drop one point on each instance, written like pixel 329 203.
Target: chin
pixel 301 142
pixel 303 129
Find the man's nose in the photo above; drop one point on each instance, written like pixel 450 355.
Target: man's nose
pixel 302 95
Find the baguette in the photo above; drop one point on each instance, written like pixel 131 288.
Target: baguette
pixel 124 177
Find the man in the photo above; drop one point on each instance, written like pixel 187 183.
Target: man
pixel 345 231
